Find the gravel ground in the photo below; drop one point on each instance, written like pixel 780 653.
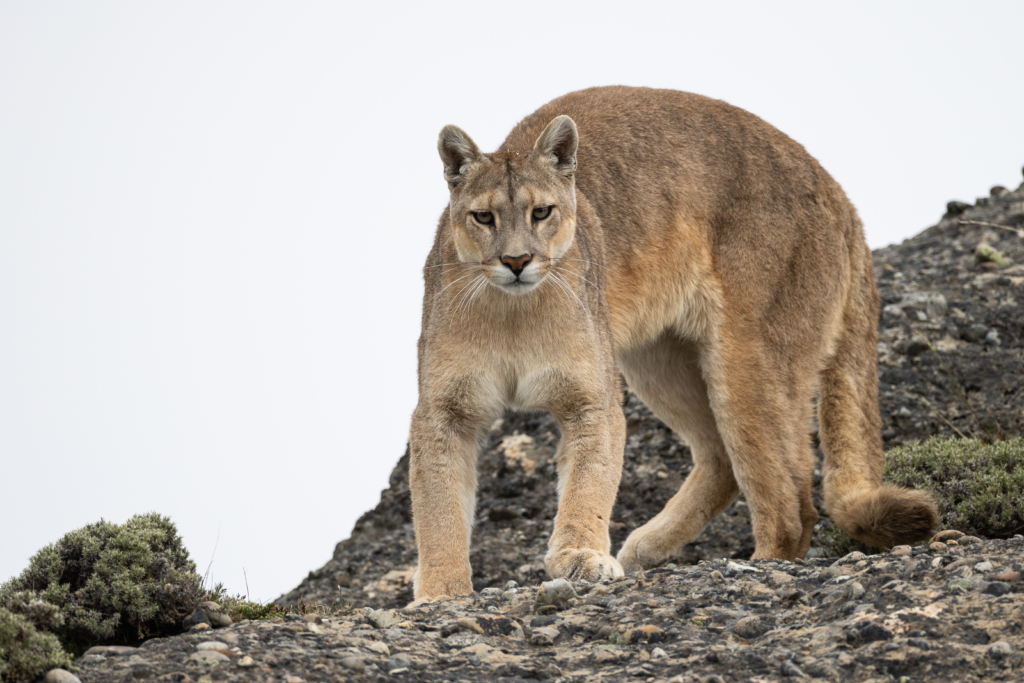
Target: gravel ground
pixel 951 361
pixel 948 612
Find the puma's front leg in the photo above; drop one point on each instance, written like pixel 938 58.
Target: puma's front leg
pixel 442 480
pixel 589 469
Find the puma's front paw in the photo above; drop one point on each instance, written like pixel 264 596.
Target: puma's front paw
pixel 576 564
pixel 426 600
pixel 643 550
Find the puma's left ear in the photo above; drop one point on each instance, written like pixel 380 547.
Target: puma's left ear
pixel 557 145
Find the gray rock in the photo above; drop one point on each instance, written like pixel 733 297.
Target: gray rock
pixel 60 676
pixel 792 670
pixel 197 617
pixel 399 662
pixel 245 662
pixel 383 618
pixel 854 590
pixel 997 588
pixel 353 664
pixel 544 635
pixel 955 208
pixel 752 627
pixel 1000 649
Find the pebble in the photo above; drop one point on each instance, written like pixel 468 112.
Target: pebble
pixel 937 547
pixel 544 635
pixel 1008 575
pixel 383 618
pixel 737 569
pixel 902 550
pixel 947 535
pixel 399 662
pixel 353 664
pixel 997 588
pixel 658 653
pixel 752 627
pixel 555 592
pixel 246 662
pixel 985 566
pixel 197 617
pixel 644 634
pixel 211 645
pixel 111 650
pixel 791 670
pixel 717 577
pixel 60 676
pixel 854 590
pixel 999 649
pixel 209 656
pixel 215 615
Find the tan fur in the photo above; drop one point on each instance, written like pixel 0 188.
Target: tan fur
pixel 707 257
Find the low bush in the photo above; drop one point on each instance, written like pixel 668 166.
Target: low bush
pixel 109 583
pixel 26 653
pixel 979 487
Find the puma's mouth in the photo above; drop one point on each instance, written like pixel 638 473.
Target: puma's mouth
pixel 519 283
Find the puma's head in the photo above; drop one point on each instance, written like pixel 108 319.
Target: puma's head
pixel 513 211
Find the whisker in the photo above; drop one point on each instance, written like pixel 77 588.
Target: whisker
pixel 449 285
pixel 572 293
pixel 457 263
pixel 576 273
pixel 569 289
pixel 555 283
pixel 464 295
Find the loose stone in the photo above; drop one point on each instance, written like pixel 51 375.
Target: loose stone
pixel 60 676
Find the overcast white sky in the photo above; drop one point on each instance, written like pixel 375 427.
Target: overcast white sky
pixel 213 218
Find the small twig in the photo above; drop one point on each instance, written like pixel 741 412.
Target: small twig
pixel 952 426
pixel 247 581
pixel 212 555
pixel 1016 231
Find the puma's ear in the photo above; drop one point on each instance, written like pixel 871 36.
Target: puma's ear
pixel 557 145
pixel 458 152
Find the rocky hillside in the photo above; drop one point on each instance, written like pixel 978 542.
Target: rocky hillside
pixel 951 355
pixel 951 362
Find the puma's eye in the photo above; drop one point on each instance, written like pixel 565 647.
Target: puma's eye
pixel 484 217
pixel 541 212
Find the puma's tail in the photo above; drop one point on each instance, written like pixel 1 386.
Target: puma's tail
pixel 883 516
pixel 850 429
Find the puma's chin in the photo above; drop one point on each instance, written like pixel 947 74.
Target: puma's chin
pixel 518 287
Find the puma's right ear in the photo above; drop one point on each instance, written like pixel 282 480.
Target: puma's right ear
pixel 458 153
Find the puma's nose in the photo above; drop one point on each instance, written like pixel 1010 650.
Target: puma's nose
pixel 516 263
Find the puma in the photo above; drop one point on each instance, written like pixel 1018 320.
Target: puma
pixel 704 255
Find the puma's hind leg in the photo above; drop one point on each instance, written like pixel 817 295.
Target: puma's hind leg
pixel 666 375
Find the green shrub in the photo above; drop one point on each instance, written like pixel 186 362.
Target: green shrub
pixel 256 611
pixel 111 583
pixel 979 487
pixel 25 652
